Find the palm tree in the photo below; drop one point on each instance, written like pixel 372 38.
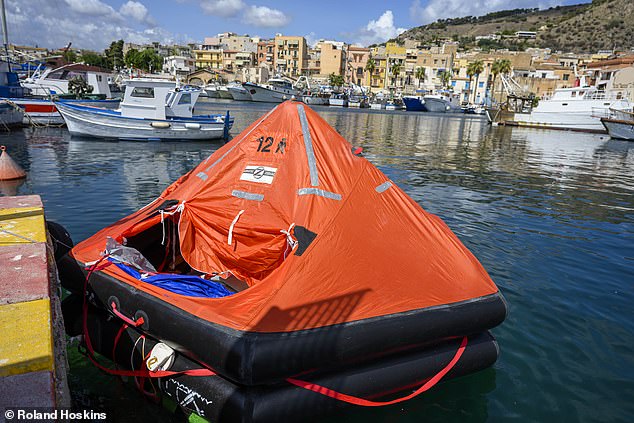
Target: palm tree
pixel 370 67
pixel 420 75
pixel 395 69
pixel 475 68
pixel 445 77
pixel 503 68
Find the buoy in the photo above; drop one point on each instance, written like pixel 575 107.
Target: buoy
pixel 9 169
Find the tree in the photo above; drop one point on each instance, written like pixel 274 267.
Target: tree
pixel 395 70
pixel 370 67
pixel 420 75
pixel 499 67
pixel 475 68
pixel 69 56
pixel 114 55
pixel 445 78
pixel 131 58
pixel 336 80
pixel 91 58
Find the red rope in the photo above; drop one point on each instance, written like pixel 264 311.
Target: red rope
pixel 366 403
pixel 90 352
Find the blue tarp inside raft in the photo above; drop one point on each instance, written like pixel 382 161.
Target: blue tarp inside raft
pixel 191 286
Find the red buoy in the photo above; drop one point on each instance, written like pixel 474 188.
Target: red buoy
pixel 9 169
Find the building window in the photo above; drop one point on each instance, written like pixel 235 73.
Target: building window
pixel 566 76
pixel 480 84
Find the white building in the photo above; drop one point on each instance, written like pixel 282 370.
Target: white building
pixel 178 65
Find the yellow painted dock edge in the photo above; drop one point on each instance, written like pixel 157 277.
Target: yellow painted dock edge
pixel 27 344
pixel 26 327
pixel 22 225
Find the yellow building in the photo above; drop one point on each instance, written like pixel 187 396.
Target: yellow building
pixel 291 55
pixel 393 49
pixel 209 59
pixel 378 77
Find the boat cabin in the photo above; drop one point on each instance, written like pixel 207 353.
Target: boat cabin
pixel 55 81
pixel 157 99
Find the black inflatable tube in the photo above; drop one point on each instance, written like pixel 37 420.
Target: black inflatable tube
pixel 253 358
pixel 220 400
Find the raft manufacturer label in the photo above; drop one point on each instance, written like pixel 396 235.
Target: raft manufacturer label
pixel 260 174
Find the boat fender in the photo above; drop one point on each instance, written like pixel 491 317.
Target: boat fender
pixel 160 124
pixel 61 239
pixel 161 358
pixel 192 125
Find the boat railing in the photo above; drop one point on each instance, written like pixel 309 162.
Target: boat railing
pixel 621 114
pixel 601 112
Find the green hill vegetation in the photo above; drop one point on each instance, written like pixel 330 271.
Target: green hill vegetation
pixel 588 27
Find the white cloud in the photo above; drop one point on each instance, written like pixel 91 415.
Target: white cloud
pixel 440 9
pixel 266 17
pixel 378 31
pixel 45 24
pixel 222 8
pixel 137 11
pixel 90 7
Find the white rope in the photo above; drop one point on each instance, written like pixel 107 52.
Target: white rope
pixel 290 241
pixel 235 220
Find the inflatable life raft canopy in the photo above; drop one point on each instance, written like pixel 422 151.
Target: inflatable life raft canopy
pixel 318 239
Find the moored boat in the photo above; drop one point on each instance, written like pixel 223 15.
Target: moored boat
pixel 620 124
pixel 238 92
pixel 276 90
pixel 10 115
pixel 414 103
pixel 150 110
pixel 243 265
pixel 338 100
pixel 575 109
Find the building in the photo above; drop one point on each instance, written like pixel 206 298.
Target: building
pixel 332 58
pixel 209 59
pixel 356 67
pixel 291 55
pixel 178 66
pixel 266 54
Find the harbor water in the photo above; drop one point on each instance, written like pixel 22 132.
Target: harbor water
pixel 549 214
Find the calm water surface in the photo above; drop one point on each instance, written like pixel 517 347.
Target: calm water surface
pixel 549 214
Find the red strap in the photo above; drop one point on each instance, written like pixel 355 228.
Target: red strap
pixel 90 352
pixel 366 403
pixel 135 323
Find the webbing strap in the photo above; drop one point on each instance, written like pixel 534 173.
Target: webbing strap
pixel 366 403
pixel 90 352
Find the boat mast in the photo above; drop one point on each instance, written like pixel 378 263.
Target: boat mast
pixel 5 37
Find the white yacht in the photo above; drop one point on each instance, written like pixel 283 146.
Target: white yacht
pixel 276 90
pixel 338 100
pixel 579 109
pixel 238 92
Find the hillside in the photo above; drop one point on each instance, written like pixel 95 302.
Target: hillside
pixel 600 25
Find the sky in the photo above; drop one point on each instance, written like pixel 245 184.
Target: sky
pixel 93 24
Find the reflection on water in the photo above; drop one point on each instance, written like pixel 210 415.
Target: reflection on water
pixel 548 213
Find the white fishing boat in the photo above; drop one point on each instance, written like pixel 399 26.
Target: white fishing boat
pixel 577 109
pixel 211 90
pixel 56 81
pixel 395 104
pixel 358 101
pixel 276 90
pixel 316 99
pixel 150 110
pixel 238 92
pixel 10 115
pixel 338 100
pixel 377 105
pixel 620 124
pixel 438 103
pixel 223 92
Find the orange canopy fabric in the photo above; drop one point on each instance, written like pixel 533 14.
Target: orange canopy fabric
pixel 376 251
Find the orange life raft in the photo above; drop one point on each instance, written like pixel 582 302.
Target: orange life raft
pixel 315 257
